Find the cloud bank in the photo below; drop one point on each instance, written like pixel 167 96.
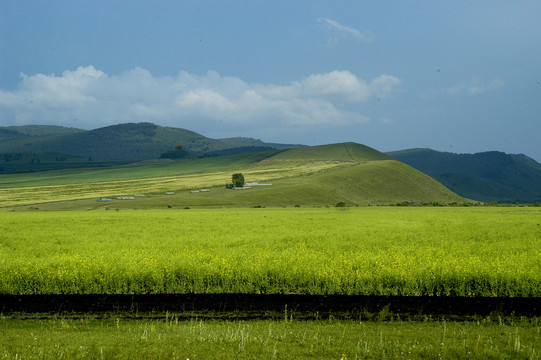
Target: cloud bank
pixel 90 98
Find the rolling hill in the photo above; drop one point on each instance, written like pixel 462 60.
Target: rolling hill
pixel 366 176
pixel 133 142
pixel 38 130
pixel 310 176
pixel 488 176
pixel 54 147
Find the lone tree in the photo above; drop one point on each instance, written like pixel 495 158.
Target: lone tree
pixel 238 180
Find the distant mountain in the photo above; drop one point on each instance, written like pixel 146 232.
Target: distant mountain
pixel 40 130
pixel 134 142
pixel 487 176
pixel 121 143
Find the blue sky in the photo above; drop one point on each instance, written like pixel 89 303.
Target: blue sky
pixel 458 76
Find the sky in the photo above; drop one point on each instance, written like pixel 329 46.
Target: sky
pixel 456 76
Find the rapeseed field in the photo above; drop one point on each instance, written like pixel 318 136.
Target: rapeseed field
pixel 470 251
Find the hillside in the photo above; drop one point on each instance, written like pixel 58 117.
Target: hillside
pixel 39 130
pixel 310 176
pixel 487 176
pixel 338 152
pixel 366 177
pixel 118 143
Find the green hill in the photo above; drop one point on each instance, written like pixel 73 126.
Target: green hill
pixel 339 152
pixel 40 130
pixel 384 182
pixel 367 176
pixel 488 176
pixel 118 143
pixel 141 141
pixel 310 176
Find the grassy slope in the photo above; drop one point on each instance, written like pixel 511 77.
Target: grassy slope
pixel 365 177
pixel 321 175
pixel 337 152
pixel 139 170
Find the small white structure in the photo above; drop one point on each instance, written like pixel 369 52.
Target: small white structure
pixel 256 184
pixel 125 197
pixel 169 193
pixel 198 191
pixel 140 195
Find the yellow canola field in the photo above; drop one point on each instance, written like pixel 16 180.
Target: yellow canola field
pixel 373 250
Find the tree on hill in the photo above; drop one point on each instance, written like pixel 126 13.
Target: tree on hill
pixel 238 180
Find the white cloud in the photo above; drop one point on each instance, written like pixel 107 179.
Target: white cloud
pixel 38 89
pixel 336 30
pixel 341 84
pixel 207 101
pixel 191 101
pixel 476 86
pixel 383 85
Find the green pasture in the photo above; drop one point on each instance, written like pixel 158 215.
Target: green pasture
pixel 57 186
pixel 321 175
pixel 471 251
pixel 138 170
pixel 326 186
pixel 169 338
pixel 294 183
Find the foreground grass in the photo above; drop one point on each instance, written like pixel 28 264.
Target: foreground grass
pixel 372 251
pixel 117 338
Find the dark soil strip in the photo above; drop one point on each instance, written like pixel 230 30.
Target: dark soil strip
pixel 271 306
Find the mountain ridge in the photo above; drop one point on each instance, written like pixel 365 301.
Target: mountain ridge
pixel 486 176
pixel 122 142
